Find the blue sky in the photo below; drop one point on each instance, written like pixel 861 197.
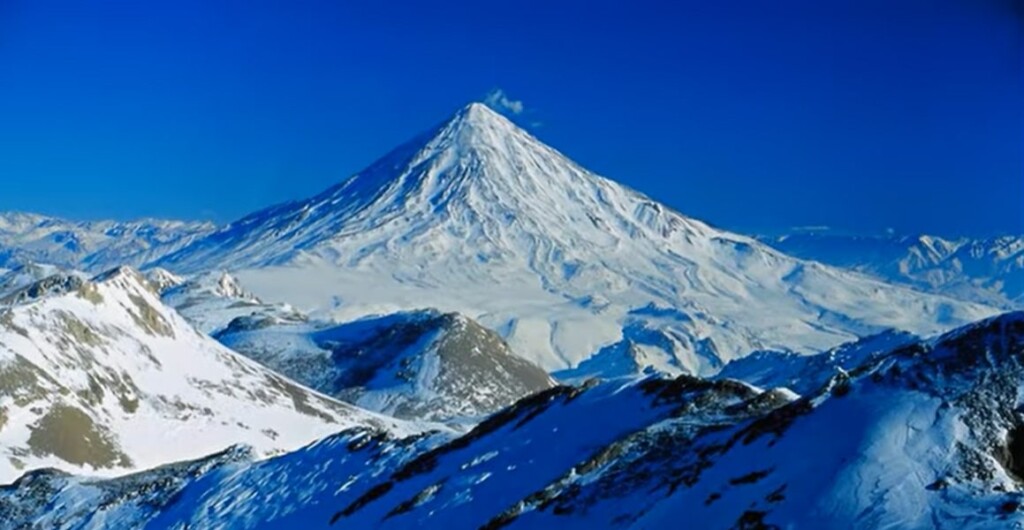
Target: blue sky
pixel 754 116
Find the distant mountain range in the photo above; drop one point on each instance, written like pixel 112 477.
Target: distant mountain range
pixel 984 270
pixel 93 246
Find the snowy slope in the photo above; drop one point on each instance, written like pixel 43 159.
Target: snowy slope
pixel 805 374
pixel 228 490
pixel 103 378
pixel 414 365
pixel 926 436
pixel 90 245
pixel 987 270
pixel 479 217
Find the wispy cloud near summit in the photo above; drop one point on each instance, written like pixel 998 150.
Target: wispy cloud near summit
pixel 498 100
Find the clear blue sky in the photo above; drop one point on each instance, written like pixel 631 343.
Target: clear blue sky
pixel 750 115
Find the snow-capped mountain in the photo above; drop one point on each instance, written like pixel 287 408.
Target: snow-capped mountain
pixel 479 217
pixel 100 377
pixel 414 365
pixel 988 270
pixel 925 436
pixel 92 246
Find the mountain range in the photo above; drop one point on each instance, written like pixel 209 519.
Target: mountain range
pixel 984 270
pixel 93 246
pixel 477 332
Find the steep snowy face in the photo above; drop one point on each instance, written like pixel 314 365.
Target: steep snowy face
pixel 988 270
pixel 91 245
pixel 928 436
pixel 101 377
pixel 413 365
pixel 480 217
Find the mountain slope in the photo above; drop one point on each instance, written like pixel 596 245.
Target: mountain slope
pixel 925 436
pixel 988 270
pixel 228 490
pixel 481 218
pixel 413 365
pixel 101 377
pixel 90 245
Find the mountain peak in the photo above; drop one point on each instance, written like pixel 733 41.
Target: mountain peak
pixel 479 113
pixel 475 126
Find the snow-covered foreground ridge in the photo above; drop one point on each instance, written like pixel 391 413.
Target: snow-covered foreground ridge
pixel 925 436
pixel 98 376
pixel 478 216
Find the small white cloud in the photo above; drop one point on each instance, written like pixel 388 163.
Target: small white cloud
pixel 498 100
